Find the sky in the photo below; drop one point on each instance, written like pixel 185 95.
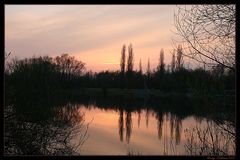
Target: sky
pixel 94 34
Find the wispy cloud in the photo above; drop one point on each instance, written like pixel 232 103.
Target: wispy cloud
pixel 87 30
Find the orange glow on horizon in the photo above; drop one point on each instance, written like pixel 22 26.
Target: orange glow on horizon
pixel 93 34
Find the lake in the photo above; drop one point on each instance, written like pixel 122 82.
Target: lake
pixel 120 132
pixel 99 126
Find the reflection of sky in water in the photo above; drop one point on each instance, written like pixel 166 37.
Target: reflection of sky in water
pixel 104 137
pixel 113 131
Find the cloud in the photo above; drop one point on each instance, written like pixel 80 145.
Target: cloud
pixel 52 29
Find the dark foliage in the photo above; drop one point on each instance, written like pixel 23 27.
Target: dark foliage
pixel 46 74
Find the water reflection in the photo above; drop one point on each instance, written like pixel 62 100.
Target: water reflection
pixel 34 129
pixel 139 117
pixel 128 126
pixel 159 117
pixel 176 126
pixel 62 128
pixel 147 116
pixel 210 140
pixel 195 143
pixel 121 127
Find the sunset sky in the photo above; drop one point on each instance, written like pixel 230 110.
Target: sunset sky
pixel 93 34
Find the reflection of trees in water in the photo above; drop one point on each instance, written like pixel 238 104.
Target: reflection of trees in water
pixel 147 116
pixel 215 139
pixel 169 126
pixel 176 127
pixel 159 117
pixel 165 137
pixel 211 139
pixel 175 123
pixel 51 133
pixel 198 119
pixel 133 152
pixel 139 117
pixel 128 125
pixel 69 114
pixel 121 124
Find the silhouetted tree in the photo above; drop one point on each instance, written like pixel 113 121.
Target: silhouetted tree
pixel 42 126
pixel 211 140
pixel 69 65
pixel 179 62
pixel 130 73
pixel 48 74
pixel 7 55
pixel 218 70
pixel 140 67
pixel 130 60
pixel 123 60
pixel 122 65
pixel 173 62
pixel 208 33
pixel 168 68
pixel 161 65
pixel 148 68
pixel 45 73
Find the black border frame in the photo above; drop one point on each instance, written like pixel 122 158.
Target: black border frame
pixel 124 2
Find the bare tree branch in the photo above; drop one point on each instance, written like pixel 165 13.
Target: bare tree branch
pixel 208 33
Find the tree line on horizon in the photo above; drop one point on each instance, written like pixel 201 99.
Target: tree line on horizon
pixel 65 72
pixel 199 34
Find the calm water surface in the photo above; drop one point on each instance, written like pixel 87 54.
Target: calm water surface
pixel 106 128
pixel 143 132
pixel 120 132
